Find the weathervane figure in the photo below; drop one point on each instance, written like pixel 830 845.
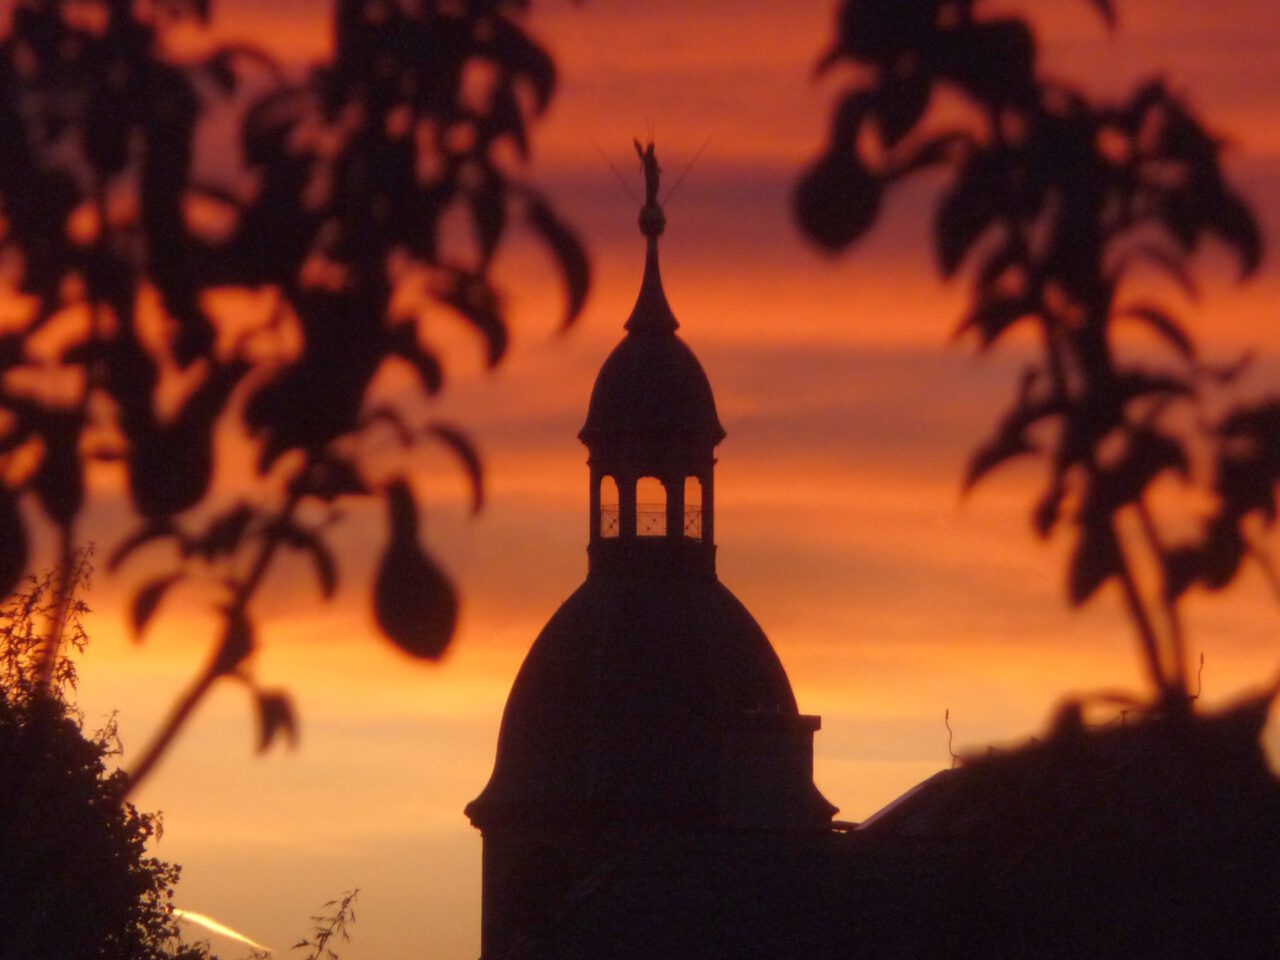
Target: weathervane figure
pixel 649 164
pixel 652 219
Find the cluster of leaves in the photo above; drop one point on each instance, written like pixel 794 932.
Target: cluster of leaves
pixel 368 202
pixel 75 878
pixel 1061 207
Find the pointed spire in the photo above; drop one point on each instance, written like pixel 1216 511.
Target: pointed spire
pixel 652 313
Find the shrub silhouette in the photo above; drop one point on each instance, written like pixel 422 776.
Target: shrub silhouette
pixel 75 877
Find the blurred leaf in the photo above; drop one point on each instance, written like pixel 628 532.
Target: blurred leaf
pixel 1234 221
pixel 1222 553
pixel 570 255
pixel 150 530
pixel 406 345
pixel 472 296
pixel 489 214
pixel 1133 384
pixel 1172 266
pixel 847 120
pixel 392 418
pixel 329 479
pixel 836 201
pixel 1148 454
pixel 321 558
pixel 414 603
pixel 1049 510
pixel 964 214
pixel 1182 567
pixel 989 456
pixel 220 68
pixel 517 52
pixel 1107 9
pixel 1011 438
pixel 992 317
pixel 1165 325
pixel 276 717
pixel 1247 486
pixel 900 107
pixel 1096 559
pixel 147 600
pixel 461 445
pixel 225 532
pixel 994 60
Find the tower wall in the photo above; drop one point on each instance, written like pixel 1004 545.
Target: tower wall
pixel 652 720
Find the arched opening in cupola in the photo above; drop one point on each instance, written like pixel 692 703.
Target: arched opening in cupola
pixel 651 508
pixel 610 522
pixel 693 508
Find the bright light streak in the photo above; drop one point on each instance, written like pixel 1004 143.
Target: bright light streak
pixel 215 927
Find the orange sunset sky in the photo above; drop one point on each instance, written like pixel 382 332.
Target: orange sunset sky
pixel 839 519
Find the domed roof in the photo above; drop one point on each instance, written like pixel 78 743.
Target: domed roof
pixel 620 709
pixel 652 384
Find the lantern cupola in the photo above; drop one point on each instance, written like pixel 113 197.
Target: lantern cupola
pixel 651 430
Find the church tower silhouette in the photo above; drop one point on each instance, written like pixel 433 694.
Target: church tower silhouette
pixel 652 708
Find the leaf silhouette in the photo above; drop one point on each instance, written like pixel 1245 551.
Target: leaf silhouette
pixel 276 718
pixel 406 345
pixel 321 559
pixel 147 600
pixel 1183 566
pixel 900 107
pixel 414 603
pixel 994 316
pixel 964 214
pixel 1049 510
pixel 836 201
pixel 1222 552
pixel 1108 10
pixel 575 269
pixel 1096 559
pixel 1235 223
pixel 226 532
pixel 986 458
pixel 1165 325
pixel 472 297
pixel 459 443
pixel 149 531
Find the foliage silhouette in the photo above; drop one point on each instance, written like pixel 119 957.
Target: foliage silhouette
pixel 75 877
pixel 327 926
pixel 1055 207
pixel 371 199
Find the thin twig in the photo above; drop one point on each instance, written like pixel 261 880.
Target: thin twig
pixel 1177 643
pixel 68 577
pixel 946 718
pixel 218 665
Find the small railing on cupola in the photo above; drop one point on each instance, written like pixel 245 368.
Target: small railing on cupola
pixel 651 521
